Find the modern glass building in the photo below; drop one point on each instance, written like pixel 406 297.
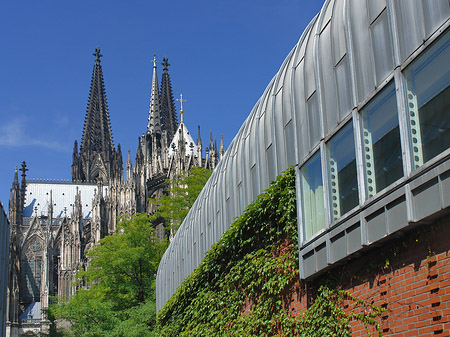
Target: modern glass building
pixel 361 107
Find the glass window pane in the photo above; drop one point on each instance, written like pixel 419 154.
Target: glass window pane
pixel 312 197
pixel 342 166
pixel 381 141
pixel 428 101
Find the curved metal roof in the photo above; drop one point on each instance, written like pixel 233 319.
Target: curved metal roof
pixel 345 56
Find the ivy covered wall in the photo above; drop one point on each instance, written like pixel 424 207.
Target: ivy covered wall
pixel 248 283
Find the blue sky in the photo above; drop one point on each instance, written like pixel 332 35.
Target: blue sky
pixel 222 55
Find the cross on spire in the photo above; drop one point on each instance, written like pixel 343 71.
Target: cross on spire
pixel 24 168
pixel 97 54
pixel 165 62
pixel 154 61
pixel 181 100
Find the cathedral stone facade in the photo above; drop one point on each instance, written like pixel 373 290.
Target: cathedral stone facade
pixel 55 222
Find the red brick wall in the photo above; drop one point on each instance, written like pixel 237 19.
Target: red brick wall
pixel 409 276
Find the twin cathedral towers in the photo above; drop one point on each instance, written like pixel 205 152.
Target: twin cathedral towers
pixel 54 223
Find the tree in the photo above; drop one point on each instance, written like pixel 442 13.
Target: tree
pixel 116 295
pixel 181 194
pixel 118 285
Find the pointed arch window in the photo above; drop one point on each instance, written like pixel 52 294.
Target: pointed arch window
pixel 32 270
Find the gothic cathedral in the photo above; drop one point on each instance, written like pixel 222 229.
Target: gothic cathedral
pixel 53 223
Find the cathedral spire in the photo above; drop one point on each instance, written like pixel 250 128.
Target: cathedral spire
pixel 97 135
pixel 97 147
pixel 154 116
pixel 169 120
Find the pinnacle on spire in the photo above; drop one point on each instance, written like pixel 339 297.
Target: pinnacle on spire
pixel 154 116
pixel 211 144
pixel 222 147
pixel 199 139
pixel 16 177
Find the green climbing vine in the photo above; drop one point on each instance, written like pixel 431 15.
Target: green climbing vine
pixel 245 284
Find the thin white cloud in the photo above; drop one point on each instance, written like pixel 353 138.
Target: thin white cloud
pixel 16 134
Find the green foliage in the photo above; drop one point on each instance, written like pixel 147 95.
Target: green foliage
pixel 181 194
pixel 245 282
pixel 116 292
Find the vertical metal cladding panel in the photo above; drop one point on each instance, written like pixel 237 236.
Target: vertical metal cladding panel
pixel 196 241
pixel 216 213
pixel 209 207
pixel 314 125
pixel 301 126
pixel 263 143
pixel 183 257
pixel 254 154
pixel 206 244
pixel 344 87
pixel 188 247
pixel 326 13
pixel 290 136
pixel 179 261
pixel 287 107
pixel 362 50
pixel 435 12
pixel 253 139
pixel 230 207
pixel 327 80
pixel 238 158
pixel 269 135
pixel 238 168
pixel 382 47
pixel 222 198
pixel 375 8
pixel 246 177
pixel 267 117
pixel 280 144
pixel 226 171
pixel 409 15
pixel 310 77
pixel 291 143
pixel 338 38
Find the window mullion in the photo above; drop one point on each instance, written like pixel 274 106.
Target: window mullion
pixel 324 155
pixel 361 147
pixel 403 122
